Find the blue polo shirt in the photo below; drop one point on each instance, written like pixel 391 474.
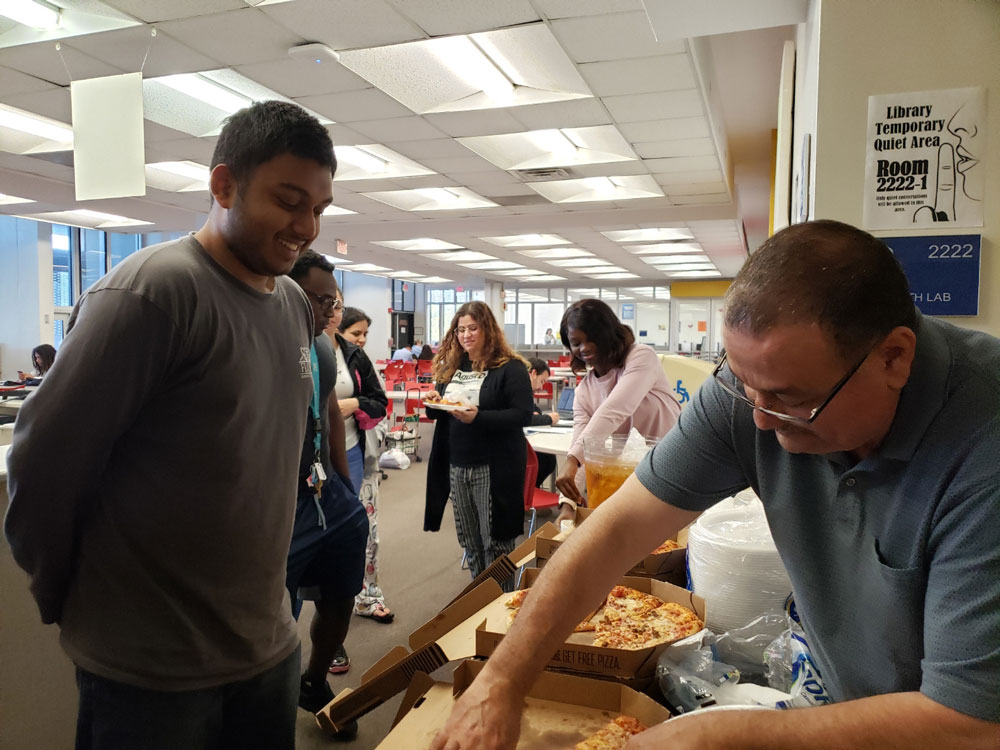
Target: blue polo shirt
pixel 894 560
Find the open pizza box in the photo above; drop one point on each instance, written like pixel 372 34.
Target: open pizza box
pixel 578 654
pixel 560 710
pixel 669 566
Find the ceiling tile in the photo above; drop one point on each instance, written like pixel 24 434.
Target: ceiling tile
pixel 579 113
pixel 663 105
pixel 500 190
pixel 690 200
pixel 295 77
pixel 355 106
pixel 54 103
pixel 127 49
pixel 345 24
pixel 612 37
pixel 43 61
pixel 435 148
pixel 680 178
pixel 459 164
pixel 696 188
pixel 345 136
pixel 235 37
pixel 573 8
pixel 441 17
pixel 680 147
pixel 12 82
pixel 491 177
pixel 639 75
pixel 482 122
pixel 398 129
pixel 683 164
pixel 188 148
pixel 152 11
pixel 666 130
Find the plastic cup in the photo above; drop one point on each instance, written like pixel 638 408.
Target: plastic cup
pixel 605 466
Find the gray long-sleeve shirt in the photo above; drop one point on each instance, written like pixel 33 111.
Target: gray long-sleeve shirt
pixel 153 475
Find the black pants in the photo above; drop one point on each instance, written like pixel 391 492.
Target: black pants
pixel 546 465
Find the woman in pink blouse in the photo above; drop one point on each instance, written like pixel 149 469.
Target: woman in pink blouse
pixel 625 387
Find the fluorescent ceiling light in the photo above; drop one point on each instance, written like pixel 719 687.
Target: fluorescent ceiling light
pixel 333 210
pixel 547 277
pixel 522 272
pixel 178 176
pixel 468 61
pixel 338 260
pixel 435 280
pixel 374 162
pixel 608 276
pixel 578 262
pixel 108 219
pixel 664 247
pixel 493 265
pixel 626 187
pixel 598 269
pixel 208 92
pixel 7 200
pixel 406 275
pixel 657 234
pixel 442 195
pixel 37 15
pixel 361 158
pixel 419 244
pixel 694 274
pixel 432 199
pixel 189 169
pixel 527 240
pixel 368 268
pixel 84 217
pixel 43 127
pixel 552 147
pixel 553 141
pixel 556 252
pixel 669 259
pixel 461 256
pixel 687 267
pixel 603 186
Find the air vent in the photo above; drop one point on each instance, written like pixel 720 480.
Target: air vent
pixel 548 173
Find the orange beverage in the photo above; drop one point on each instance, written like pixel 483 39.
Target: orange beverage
pixel 604 479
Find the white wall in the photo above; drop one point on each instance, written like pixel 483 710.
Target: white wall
pixel 894 46
pixel 373 295
pixel 807 43
pixel 25 292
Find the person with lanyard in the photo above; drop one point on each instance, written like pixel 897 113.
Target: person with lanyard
pixel 327 553
pixel 478 455
pixel 871 434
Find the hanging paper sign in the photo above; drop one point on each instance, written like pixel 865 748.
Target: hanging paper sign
pixel 924 162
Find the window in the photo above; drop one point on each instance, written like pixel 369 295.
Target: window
pixel 120 246
pixel 62 265
pixel 93 257
pixel 548 315
pixel 479 295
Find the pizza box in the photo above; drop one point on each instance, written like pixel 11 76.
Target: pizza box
pixel 560 709
pixel 670 566
pixel 577 655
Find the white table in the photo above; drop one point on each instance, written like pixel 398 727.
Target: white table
pixel 556 443
pixel 3 465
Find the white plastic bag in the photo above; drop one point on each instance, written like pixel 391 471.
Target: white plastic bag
pixel 394 458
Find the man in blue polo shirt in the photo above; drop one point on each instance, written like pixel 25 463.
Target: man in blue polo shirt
pixel 871 434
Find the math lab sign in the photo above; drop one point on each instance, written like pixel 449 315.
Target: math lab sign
pixel 925 159
pixel 943 271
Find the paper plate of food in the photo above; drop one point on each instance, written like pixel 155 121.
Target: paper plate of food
pixel 445 405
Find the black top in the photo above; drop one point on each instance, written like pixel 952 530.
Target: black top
pixel 538 419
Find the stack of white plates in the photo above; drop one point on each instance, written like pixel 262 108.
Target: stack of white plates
pixel 734 565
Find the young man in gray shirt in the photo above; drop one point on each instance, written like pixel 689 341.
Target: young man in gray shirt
pixel 159 544
pixel 871 434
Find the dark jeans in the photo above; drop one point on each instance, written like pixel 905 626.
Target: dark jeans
pixel 255 713
pixel 546 465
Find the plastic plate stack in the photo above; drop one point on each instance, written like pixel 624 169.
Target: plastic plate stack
pixel 734 565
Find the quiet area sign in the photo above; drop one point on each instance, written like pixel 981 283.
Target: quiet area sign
pixel 943 271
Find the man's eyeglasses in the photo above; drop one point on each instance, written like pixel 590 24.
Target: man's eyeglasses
pixel 325 301
pixel 735 388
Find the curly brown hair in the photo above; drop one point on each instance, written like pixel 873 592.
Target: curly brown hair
pixel 496 350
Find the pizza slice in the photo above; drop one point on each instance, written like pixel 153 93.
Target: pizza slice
pixel 614 735
pixel 668 546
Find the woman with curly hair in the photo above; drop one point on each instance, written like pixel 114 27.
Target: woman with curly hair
pixel 478 454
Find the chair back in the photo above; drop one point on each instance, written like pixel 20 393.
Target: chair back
pixel 408 370
pixel 424 367
pixel 530 475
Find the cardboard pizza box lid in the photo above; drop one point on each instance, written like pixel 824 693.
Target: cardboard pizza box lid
pixel 560 709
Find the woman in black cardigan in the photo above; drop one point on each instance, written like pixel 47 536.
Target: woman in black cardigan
pixel 478 455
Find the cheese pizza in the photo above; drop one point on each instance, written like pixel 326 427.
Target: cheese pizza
pixel 613 736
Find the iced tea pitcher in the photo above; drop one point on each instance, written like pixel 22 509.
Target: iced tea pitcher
pixel 609 461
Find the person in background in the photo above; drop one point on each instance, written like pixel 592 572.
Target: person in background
pixel 625 388
pixel 326 557
pixel 402 354
pixel 159 546
pixel 550 338
pixel 538 373
pixel 478 454
pixel 871 434
pixel 426 352
pixel 42 358
pixel 353 327
pixel 417 349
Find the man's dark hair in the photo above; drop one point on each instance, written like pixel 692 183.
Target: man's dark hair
pixel 538 365
pixel 827 272
pixel 352 315
pixel 309 259
pixel 600 325
pixel 265 130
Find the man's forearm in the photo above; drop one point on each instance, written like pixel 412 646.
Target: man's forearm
pixel 338 442
pixel 898 721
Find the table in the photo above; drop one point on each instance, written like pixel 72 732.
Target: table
pixel 543 441
pixel 3 465
pixel 10 407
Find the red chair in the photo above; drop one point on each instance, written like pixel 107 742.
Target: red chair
pixel 535 497
pixel 425 368
pixel 393 370
pixel 408 371
pixel 545 394
pixel 564 361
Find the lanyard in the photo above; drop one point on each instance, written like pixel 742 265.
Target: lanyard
pixel 317 424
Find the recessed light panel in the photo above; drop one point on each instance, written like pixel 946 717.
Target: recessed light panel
pixel 177 176
pixel 522 272
pixel 503 68
pixel 420 244
pixel 374 162
pixel 23 132
pixel 686 267
pixel 694 274
pixel 369 268
pixel 540 149
pixel 432 199
pixel 598 189
pixel 547 277
pixel 333 210
pixel 673 259
pixel 611 276
pixel 7 200
pixel 663 248
pixel 527 240
pixel 84 217
pixel 556 252
pixel 493 265
pixel 410 275
pixel 656 234
pixel 572 263
pixel 460 256
pixel 435 280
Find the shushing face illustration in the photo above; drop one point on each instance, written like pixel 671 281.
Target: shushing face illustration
pixel 966 126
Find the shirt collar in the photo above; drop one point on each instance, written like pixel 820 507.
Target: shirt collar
pixel 924 394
